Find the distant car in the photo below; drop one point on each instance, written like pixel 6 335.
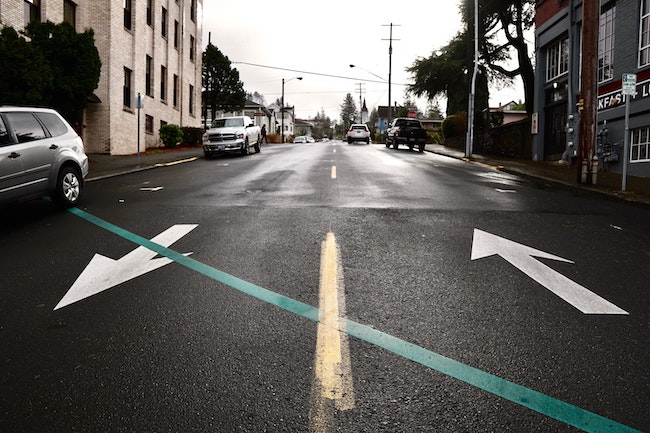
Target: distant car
pixel 310 139
pixel 358 132
pixel 300 139
pixel 40 154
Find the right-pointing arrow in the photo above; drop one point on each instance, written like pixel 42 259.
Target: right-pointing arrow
pixel 522 257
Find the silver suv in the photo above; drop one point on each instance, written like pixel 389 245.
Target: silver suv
pixel 358 132
pixel 40 154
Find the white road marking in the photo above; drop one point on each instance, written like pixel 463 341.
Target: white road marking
pixel 520 256
pixel 102 272
pixel 333 172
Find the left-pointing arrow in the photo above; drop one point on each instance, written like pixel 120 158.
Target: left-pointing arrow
pixel 102 272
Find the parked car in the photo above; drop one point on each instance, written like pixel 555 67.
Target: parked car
pixel 40 154
pixel 358 132
pixel 232 134
pixel 300 139
pixel 406 131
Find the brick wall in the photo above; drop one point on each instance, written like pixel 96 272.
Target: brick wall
pixel 109 127
pixel 546 9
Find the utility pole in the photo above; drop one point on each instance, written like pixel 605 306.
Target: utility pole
pixel 390 68
pixel 361 89
pixel 469 139
pixel 587 159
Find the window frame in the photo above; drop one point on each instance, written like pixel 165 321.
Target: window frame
pixel 127 100
pixel 640 144
pixel 557 59
pixel 606 32
pixel 644 33
pixel 128 14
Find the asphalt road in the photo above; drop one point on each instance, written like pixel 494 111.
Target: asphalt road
pixel 325 287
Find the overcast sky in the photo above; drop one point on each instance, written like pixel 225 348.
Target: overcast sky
pixel 292 38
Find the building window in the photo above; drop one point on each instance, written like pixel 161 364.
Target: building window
pixel 148 79
pixel 192 47
pixel 606 43
pixel 128 13
pixel 644 37
pixel 32 11
pixel 148 124
pixel 70 13
pixel 191 99
pixel 128 76
pixel 640 145
pixel 193 11
pixel 176 34
pixel 175 90
pixel 163 24
pixel 557 59
pixel 163 83
pixel 150 12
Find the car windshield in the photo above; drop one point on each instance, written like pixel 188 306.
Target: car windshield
pixel 228 123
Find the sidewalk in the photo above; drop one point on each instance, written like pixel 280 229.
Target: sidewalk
pixel 548 172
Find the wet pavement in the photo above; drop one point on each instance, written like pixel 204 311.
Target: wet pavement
pixel 608 184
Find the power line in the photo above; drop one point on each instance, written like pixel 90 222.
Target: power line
pixel 313 73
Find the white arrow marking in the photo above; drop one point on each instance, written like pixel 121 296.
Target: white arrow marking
pixel 522 257
pixel 102 272
pixel 151 189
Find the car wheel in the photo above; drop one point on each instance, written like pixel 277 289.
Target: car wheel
pixel 387 143
pixel 208 155
pixel 421 148
pixel 395 145
pixel 367 141
pixel 258 145
pixel 68 187
pixel 244 149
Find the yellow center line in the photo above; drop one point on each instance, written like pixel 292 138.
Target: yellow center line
pixel 333 373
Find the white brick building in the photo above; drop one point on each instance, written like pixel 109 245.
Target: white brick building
pixel 152 47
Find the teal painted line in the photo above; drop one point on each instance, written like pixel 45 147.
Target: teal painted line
pixel 536 401
pixel 541 403
pixel 273 298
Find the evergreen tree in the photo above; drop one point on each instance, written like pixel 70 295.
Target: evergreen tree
pixel 74 64
pixel 499 19
pixel 57 67
pixel 348 111
pixel 222 88
pixel 25 76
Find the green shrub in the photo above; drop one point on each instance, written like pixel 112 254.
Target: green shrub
pixel 454 125
pixel 170 135
pixel 192 136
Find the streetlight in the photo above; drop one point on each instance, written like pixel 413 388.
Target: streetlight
pixel 282 108
pixel 371 73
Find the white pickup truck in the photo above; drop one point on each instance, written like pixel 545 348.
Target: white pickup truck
pixel 232 134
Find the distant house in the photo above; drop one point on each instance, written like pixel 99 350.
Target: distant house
pixel 289 115
pixel 385 117
pixel 258 112
pixel 508 112
pixel 303 127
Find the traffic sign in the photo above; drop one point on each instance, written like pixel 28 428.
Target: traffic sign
pixel 629 84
